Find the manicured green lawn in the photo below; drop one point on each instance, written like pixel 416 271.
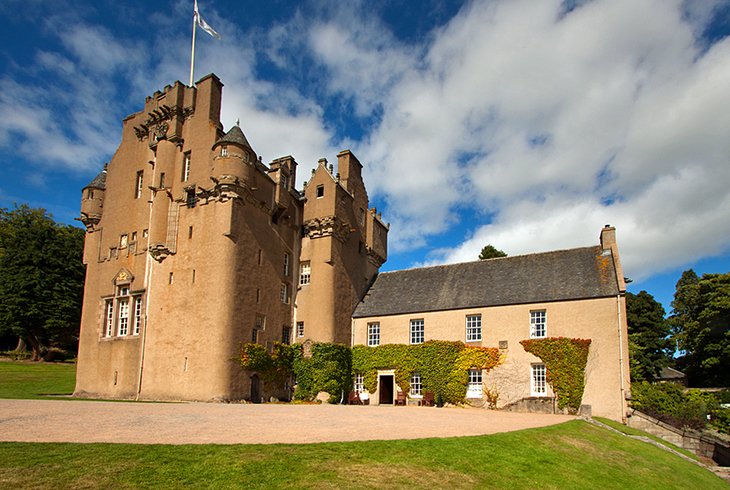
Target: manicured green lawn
pixel 571 455
pixel 25 379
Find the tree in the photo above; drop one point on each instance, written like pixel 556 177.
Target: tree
pixel 41 279
pixel 490 252
pixel 649 344
pixel 701 326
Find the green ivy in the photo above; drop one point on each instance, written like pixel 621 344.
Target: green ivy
pixel 275 367
pixel 328 370
pixel 443 365
pixel 565 362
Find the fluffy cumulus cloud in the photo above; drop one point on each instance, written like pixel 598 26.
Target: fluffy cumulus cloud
pixel 529 123
pixel 555 123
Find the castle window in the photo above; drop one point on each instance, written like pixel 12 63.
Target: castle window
pixel 473 328
pixel 286 265
pixel 320 191
pixel 260 322
pixel 109 318
pixel 224 150
pixel 284 293
pixel 285 335
pixel 134 236
pixel 362 217
pixel 417 331
pixel 186 167
pixel 305 273
pixel 416 385
pixel 190 198
pixel 137 315
pixel 123 311
pixel 284 181
pixel 123 241
pixel 171 278
pixel 538 380
pixel 474 388
pixel 162 180
pixel 373 334
pixel 138 184
pixel 538 324
pixel 300 329
pixel 254 336
pixel 90 194
pixel 190 232
pixel 145 233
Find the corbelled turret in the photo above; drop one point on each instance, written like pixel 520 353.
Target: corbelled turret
pixel 92 201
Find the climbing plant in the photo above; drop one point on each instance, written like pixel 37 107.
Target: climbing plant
pixel 565 362
pixel 328 370
pixel 443 365
pixel 274 367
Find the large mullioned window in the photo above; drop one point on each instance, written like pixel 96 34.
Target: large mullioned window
pixel 123 314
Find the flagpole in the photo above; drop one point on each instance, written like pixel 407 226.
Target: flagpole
pixel 192 50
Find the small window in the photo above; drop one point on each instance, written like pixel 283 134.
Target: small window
pixel 305 272
pixel 134 236
pixel 193 278
pixel 224 150
pixel 373 334
pixel 417 331
pixel 416 387
pixel 254 336
pixel 473 328
pixel 359 385
pixel 300 329
pixel 123 241
pixel 171 278
pixel 474 388
pixel 286 265
pixel 109 319
pixel 362 217
pixel 260 256
pixel 186 167
pixel 538 324
pixel 190 198
pixel 138 184
pixel 320 191
pixel 284 181
pixel 286 335
pixel 162 180
pixel 284 293
pixel 145 233
pixel 538 382
pixel 90 194
pixel 190 232
pixel 258 295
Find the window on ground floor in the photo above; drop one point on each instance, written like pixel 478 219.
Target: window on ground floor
pixel 538 384
pixel 359 383
pixel 416 386
pixel 474 386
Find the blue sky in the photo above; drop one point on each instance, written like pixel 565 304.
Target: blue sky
pixel 524 124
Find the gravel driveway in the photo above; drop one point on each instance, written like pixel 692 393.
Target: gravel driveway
pixel 214 423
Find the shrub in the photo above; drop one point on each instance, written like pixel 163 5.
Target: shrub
pixel 669 403
pixel 329 370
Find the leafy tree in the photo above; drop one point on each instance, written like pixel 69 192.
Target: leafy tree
pixel 701 326
pixel 649 344
pixel 41 279
pixel 490 252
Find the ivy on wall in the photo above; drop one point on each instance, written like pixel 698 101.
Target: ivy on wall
pixel 565 362
pixel 443 365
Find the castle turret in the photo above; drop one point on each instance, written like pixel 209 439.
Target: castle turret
pixel 92 201
pixel 234 159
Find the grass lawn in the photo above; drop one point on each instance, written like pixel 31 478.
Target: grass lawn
pixel 24 379
pixel 571 455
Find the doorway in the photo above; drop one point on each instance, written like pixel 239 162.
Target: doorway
pixel 255 389
pixel 386 389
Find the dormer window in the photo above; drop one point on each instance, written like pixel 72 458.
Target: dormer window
pixel 224 150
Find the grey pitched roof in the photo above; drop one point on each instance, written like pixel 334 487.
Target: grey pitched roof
pixel 552 276
pixel 671 373
pixel 235 136
pixel 99 181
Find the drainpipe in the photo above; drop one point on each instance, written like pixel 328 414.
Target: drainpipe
pixel 147 284
pixel 621 359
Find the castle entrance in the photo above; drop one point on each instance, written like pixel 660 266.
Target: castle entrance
pixel 385 389
pixel 255 389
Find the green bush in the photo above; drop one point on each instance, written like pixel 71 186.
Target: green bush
pixel 669 403
pixel 721 420
pixel 329 370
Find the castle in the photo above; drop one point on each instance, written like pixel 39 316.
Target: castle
pixel 194 245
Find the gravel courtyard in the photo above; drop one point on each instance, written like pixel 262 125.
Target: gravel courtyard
pixel 214 423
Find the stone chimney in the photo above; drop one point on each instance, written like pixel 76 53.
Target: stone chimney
pixel 608 237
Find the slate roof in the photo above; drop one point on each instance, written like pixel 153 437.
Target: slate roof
pixel 99 181
pixel 552 276
pixel 235 136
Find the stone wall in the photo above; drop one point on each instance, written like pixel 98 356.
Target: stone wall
pixel 701 444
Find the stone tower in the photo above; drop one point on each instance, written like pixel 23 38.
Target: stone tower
pixel 344 244
pixel 190 251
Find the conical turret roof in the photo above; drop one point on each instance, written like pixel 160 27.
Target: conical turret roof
pixel 234 136
pixel 99 181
